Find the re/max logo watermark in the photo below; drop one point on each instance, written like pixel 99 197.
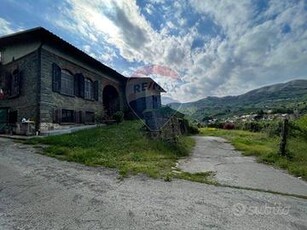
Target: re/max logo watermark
pixel 146 86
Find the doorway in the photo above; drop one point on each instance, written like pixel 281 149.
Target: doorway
pixel 111 101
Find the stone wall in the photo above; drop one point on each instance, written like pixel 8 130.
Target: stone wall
pixel 51 101
pixel 37 102
pixel 26 104
pixel 164 126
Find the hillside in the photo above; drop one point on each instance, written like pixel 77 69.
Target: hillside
pixel 283 97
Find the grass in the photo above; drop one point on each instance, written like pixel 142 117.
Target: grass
pixel 265 148
pixel 200 177
pixel 124 147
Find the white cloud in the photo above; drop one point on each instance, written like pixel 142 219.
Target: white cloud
pixel 6 27
pixel 250 48
pixel 149 8
pixel 120 24
pixel 250 54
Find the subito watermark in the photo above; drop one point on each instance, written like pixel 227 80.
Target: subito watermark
pixel 240 209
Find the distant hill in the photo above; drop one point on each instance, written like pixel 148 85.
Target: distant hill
pixel 168 100
pixel 279 97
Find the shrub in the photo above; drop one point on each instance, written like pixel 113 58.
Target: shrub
pixel 193 129
pixel 301 125
pixel 228 126
pixel 254 126
pixel 272 129
pixel 217 125
pixel 118 116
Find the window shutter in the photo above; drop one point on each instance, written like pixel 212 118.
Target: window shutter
pixel 56 78
pixel 96 90
pixel 80 78
pixel 81 82
pixel 16 83
pixel 76 85
pixel 82 116
pixel 8 84
pixel 78 117
pixel 55 116
pixel 60 115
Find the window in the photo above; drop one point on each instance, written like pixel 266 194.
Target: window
pixel 68 116
pixel 10 85
pixel 88 89
pixel 67 83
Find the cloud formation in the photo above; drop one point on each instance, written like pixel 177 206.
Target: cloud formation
pixel 5 27
pixel 216 47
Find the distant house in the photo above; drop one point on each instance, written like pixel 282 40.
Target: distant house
pixel 143 94
pixel 52 83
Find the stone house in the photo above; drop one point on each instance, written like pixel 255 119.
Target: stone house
pixel 52 83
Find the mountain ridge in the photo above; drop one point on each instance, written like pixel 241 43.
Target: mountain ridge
pixel 276 96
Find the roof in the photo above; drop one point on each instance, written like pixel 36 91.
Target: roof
pixel 46 36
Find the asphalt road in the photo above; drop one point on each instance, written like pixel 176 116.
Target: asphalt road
pixel 38 192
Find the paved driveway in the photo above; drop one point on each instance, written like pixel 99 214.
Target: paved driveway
pixel 232 168
pixel 38 192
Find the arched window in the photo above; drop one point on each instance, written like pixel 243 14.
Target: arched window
pixel 88 89
pixel 67 83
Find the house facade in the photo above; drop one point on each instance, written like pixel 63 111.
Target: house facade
pixel 46 80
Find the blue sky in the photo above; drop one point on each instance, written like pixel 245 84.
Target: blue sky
pixel 217 48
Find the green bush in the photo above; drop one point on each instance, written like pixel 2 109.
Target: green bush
pixel 192 128
pixel 272 128
pixel 300 126
pixel 118 116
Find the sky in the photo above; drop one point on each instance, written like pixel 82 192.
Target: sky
pixel 210 47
